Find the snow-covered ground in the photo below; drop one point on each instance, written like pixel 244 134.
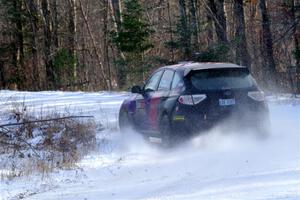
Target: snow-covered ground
pixel 214 166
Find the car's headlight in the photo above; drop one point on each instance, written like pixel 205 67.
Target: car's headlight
pixel 257 95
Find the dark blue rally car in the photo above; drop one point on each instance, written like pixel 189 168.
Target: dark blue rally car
pixel 180 100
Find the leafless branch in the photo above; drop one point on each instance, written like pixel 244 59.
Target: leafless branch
pixel 44 120
pixel 103 75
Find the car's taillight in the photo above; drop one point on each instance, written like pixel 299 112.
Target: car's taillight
pixel 257 95
pixel 191 99
pixel 186 99
pixel 197 98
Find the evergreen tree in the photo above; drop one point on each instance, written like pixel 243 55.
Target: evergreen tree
pixel 133 39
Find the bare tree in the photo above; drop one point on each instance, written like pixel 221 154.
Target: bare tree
pixel 72 36
pixel 47 43
pixel 242 55
pixel 106 42
pixel 295 13
pixel 53 44
pixel 185 30
pixel 18 45
pixel 31 8
pixel 267 47
pixel 216 9
pixel 194 22
pixel 98 55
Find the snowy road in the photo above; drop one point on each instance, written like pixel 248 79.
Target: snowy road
pixel 214 166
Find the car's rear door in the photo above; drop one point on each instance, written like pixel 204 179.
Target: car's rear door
pixel 158 99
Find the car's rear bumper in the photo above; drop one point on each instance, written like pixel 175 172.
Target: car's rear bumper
pixel 194 121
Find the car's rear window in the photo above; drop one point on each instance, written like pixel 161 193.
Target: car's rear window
pixel 215 79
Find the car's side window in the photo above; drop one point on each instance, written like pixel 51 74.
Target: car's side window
pixel 153 81
pixel 166 80
pixel 177 82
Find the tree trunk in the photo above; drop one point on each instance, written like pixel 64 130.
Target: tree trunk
pixel 254 45
pixel 242 55
pixel 72 37
pixel 106 43
pixel 2 80
pixel 18 45
pixel 210 34
pixel 33 14
pixel 47 46
pixel 116 16
pixel 296 30
pixel 185 30
pixel 98 55
pixel 116 10
pixel 171 32
pixel 267 48
pixel 194 23
pixel 55 23
pixel 217 10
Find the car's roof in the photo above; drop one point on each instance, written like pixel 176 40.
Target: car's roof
pixel 186 67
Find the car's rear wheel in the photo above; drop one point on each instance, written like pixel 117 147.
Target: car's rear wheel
pixel 263 128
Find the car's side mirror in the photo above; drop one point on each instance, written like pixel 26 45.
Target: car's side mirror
pixel 136 89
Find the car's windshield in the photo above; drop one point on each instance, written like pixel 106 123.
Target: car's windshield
pixel 215 79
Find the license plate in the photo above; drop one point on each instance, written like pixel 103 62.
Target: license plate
pixel 226 102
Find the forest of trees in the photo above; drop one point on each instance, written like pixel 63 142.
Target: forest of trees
pixel 113 44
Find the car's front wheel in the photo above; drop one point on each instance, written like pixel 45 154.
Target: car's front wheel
pixel 166 131
pixel 124 122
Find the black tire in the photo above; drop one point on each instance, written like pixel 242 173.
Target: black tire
pixel 166 131
pixel 263 125
pixel 264 128
pixel 124 122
